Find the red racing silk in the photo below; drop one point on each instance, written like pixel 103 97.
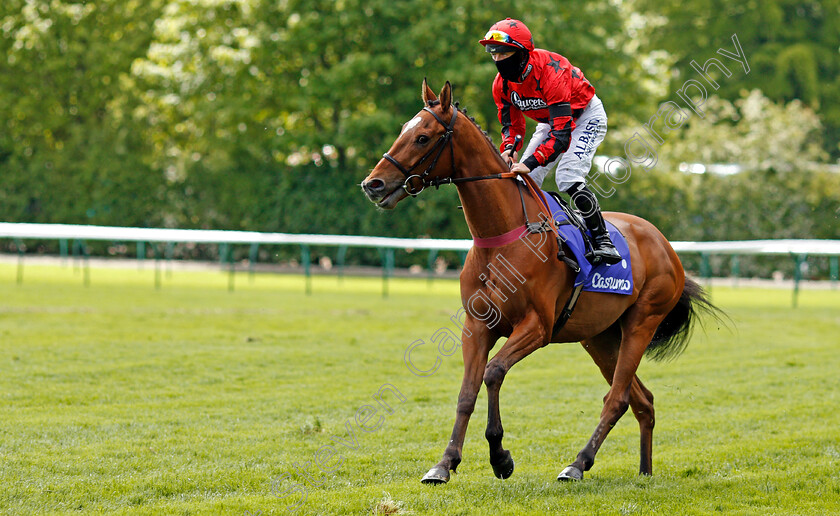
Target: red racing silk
pixel 551 91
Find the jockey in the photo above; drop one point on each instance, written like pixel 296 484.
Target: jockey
pixel 571 121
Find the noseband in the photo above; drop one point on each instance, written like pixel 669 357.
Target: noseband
pixel 423 179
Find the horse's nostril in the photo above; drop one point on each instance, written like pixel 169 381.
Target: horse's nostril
pixel 374 185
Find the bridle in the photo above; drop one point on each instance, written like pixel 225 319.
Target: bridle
pixel 530 227
pixel 439 146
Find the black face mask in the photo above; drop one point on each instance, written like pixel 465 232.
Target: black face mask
pixel 511 68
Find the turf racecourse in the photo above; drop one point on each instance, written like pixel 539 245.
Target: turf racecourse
pixel 122 399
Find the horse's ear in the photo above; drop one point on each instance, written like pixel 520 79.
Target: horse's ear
pixel 428 94
pixel 446 97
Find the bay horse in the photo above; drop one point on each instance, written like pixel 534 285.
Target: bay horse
pixel 616 330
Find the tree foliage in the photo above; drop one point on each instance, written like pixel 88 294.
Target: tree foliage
pixel 265 114
pixel 305 96
pixel 781 191
pixel 69 150
pixel 792 46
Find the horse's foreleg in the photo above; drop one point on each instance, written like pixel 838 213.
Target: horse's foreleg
pixel 633 344
pixel 527 336
pixel 476 344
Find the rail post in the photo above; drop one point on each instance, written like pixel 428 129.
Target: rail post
pixel 433 254
pixel 169 253
pixel 253 256
pixel 231 267
pixel 20 250
pixel 141 254
pixel 156 250
pixel 387 268
pixel 80 252
pixel 736 269
pixel 304 258
pixel 342 254
pixel 706 268
pixel 62 250
pixel 799 263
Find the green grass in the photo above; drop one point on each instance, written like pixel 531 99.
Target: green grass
pixel 121 399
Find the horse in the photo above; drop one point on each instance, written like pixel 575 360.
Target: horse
pixel 616 330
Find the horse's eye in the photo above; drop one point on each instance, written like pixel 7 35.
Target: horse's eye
pixel 422 139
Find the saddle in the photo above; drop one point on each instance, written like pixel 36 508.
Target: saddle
pixel 575 219
pixel 594 277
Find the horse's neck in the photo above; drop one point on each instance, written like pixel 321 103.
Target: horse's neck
pixel 492 207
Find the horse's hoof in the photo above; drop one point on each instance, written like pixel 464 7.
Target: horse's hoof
pixel 503 469
pixel 436 475
pixel 570 473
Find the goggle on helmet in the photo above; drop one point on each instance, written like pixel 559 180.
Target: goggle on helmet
pixel 507 35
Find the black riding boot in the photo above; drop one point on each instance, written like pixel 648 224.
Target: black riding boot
pixel 604 250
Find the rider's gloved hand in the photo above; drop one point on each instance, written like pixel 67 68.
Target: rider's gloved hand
pixel 510 156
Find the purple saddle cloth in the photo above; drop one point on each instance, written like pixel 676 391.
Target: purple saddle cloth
pixel 616 278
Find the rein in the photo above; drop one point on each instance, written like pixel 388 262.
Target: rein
pixel 424 182
pixel 499 240
pixel 440 144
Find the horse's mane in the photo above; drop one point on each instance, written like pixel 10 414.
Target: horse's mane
pixel 463 111
pixel 472 119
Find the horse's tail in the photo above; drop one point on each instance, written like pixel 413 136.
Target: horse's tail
pixel 671 337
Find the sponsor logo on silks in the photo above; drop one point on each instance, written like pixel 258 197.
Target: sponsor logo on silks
pixel 528 103
pixel 586 142
pixel 599 281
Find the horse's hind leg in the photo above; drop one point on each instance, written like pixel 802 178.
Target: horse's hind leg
pixel 618 362
pixel 643 410
pixel 603 349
